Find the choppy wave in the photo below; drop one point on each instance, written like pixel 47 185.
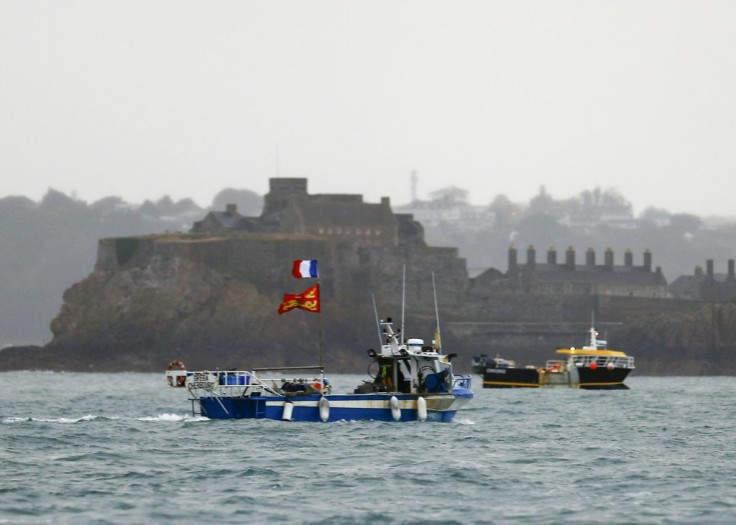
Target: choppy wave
pixel 99 449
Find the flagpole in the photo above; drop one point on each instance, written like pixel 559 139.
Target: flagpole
pixel 319 314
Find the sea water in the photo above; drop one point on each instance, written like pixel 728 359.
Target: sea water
pixel 125 448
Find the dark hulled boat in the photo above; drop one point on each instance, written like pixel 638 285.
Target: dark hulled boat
pixel 593 366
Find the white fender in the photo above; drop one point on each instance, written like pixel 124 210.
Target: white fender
pixel 421 409
pixel 288 410
pixel 395 409
pixel 324 409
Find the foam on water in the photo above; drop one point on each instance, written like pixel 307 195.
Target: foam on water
pixel 187 418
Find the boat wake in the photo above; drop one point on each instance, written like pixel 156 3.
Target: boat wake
pixel 68 420
pixel 174 417
pixel 63 420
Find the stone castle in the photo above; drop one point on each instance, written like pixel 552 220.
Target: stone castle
pixel 363 248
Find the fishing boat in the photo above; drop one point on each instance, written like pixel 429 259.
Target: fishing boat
pixel 411 381
pixel 594 366
pixel 408 381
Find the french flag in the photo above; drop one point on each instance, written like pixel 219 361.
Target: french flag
pixel 305 269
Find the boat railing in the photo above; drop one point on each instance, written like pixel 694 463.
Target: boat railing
pixel 603 361
pixel 247 383
pixel 555 365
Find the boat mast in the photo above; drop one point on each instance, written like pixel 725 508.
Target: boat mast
pixel 378 321
pixel 403 302
pixel 438 338
pixel 321 366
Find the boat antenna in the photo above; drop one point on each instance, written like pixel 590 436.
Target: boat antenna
pixel 593 335
pixel 378 321
pixel 438 339
pixel 403 302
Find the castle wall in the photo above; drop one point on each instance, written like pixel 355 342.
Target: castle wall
pixel 347 271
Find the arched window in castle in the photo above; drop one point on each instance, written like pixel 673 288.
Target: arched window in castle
pixel 358 231
pixel 329 231
pixel 338 231
pixel 321 230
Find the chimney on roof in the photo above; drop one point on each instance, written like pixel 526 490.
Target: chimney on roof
pixel 629 258
pixel 386 202
pixel 512 259
pixel 609 259
pixel 552 257
pixel 709 268
pixel 647 260
pixel 590 257
pixel 731 275
pixel 231 208
pixel 531 256
pixel 570 258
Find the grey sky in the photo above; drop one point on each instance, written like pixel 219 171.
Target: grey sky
pixel 142 99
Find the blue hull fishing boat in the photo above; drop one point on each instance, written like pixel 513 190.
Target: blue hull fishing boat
pixel 409 381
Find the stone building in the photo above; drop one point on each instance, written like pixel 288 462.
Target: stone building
pixel 363 247
pixel 225 221
pixel 708 286
pixel 554 276
pixel 289 208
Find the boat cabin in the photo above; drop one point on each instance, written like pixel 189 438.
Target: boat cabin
pixel 409 367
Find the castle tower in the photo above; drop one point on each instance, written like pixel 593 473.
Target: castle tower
pixel 280 191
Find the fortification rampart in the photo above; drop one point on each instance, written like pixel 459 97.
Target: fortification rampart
pixel 347 272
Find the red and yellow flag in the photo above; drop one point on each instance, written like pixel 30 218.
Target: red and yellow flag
pixel 307 300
